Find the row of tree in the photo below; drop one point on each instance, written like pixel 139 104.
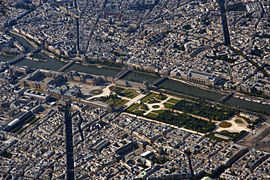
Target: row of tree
pixel 184 120
pixel 204 109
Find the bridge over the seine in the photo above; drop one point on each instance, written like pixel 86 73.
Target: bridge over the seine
pixel 122 73
pixel 225 98
pixel 158 81
pixel 20 57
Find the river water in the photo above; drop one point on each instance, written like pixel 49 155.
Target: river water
pixel 195 91
pixel 105 71
pixel 23 42
pixel 184 88
pixel 140 77
pixel 190 90
pixel 249 105
pixel 50 63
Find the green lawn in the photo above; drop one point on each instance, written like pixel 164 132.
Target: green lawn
pixel 130 93
pixel 117 102
pixel 138 109
pixel 161 97
pixel 167 105
pixel 153 98
pixel 232 135
pixel 158 111
pixel 152 115
pixel 144 107
pixel 170 103
pixel 133 107
pixel 117 90
pixel 173 101
pixel 112 99
pixel 139 112
pixel 149 97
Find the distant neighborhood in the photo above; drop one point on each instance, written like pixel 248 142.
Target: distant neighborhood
pixel 134 89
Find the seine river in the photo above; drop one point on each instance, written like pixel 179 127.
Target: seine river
pixel 177 86
pixel 105 71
